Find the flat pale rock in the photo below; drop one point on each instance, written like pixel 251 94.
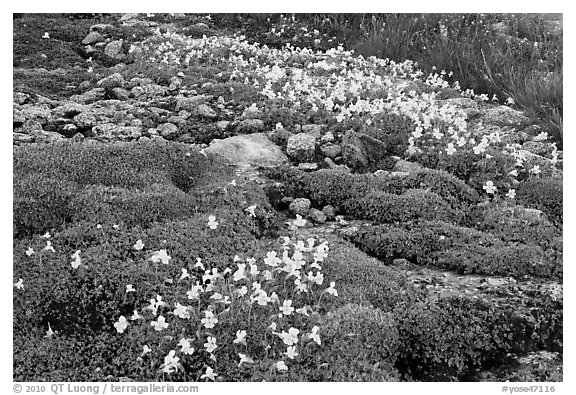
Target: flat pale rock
pixel 249 150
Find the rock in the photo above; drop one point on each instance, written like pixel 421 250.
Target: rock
pixel 168 130
pixel 398 174
pixel 538 147
pixel 301 147
pixel 121 93
pixel 44 137
pixel 70 129
pixel 17 116
pixel 406 167
pixel 314 130
pixel 331 165
pixel 114 50
pixel 110 131
pixel 328 138
pixel 101 27
pixel 331 150
pixel 91 96
pixel 85 120
pixel 222 125
pixel 175 83
pixel 22 138
pixel 505 116
pixel 317 216
pixel 469 106
pixel 92 38
pixel 128 17
pixel 300 206
pixel 250 126
pixel 249 150
pixel 112 81
pixel 251 113
pixel 69 109
pixel 362 152
pixel 308 166
pixel 37 113
pixel 189 103
pixel 21 98
pixel 78 137
pixel 206 111
pixel 534 215
pixel 381 173
pixel 329 212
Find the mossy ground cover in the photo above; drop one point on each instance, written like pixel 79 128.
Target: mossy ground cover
pixel 151 261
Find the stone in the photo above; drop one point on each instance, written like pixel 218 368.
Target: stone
pixel 114 50
pixel 85 120
pixel 20 97
pixel 111 131
pixel 300 206
pixel 381 173
pixel 362 152
pixel 331 165
pixel 538 147
pixel 398 174
pixel 92 38
pixel 69 109
pixel 206 111
pixel 308 166
pixel 101 27
pixel 505 116
pixel 406 167
pixel 249 150
pixel 69 128
pixel 22 138
pixel 313 129
pixel 115 80
pixel 317 216
pixel 328 138
pixel 91 96
pixel 301 147
pixel 331 150
pixel 222 125
pixel 45 137
pixel 189 103
pixel 534 215
pixel 121 93
pixel 168 130
pixel 37 113
pixel 250 126
pixel 330 212
pixel 469 106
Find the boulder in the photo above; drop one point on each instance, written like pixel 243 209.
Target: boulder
pixel 121 93
pixel 111 131
pixel 91 96
pixel 189 103
pixel 114 50
pixel 85 120
pixel 330 212
pixel 317 216
pixel 168 130
pixel 308 166
pixel 331 150
pixel 301 147
pixel 248 150
pixel 362 152
pixel 205 111
pixel 92 38
pixel 280 136
pixel 404 166
pixel 505 116
pixel 112 81
pixel 69 109
pixel 300 206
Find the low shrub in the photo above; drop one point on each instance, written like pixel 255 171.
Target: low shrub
pixel 518 261
pixel 414 204
pixel 442 340
pixel 451 189
pixel 543 194
pixel 515 224
pixel 40 203
pixel 457 248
